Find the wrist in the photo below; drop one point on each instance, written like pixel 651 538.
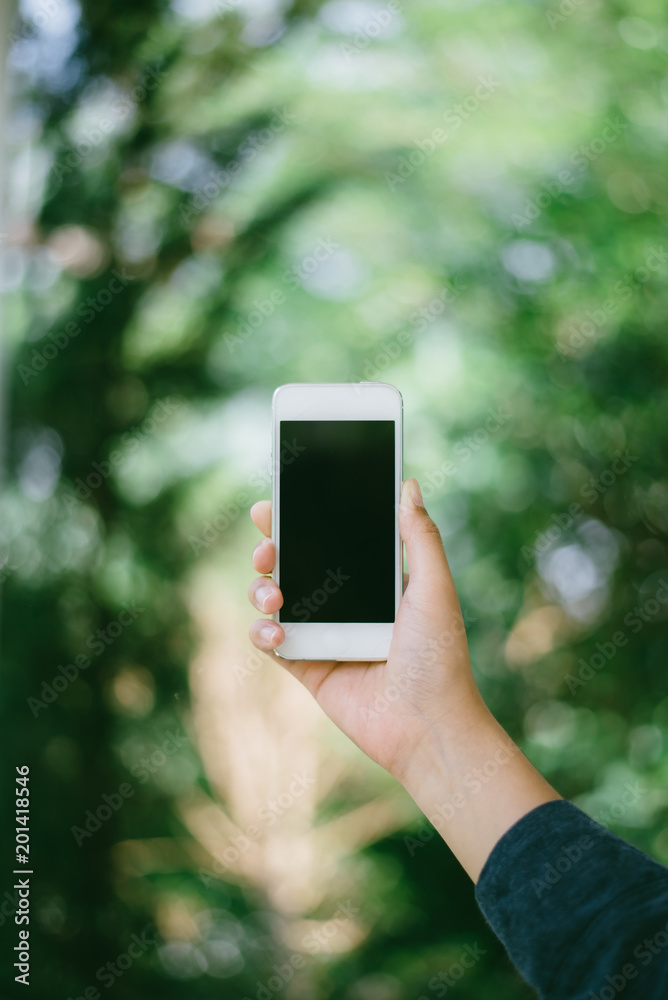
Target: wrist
pixel 472 782
pixel 449 745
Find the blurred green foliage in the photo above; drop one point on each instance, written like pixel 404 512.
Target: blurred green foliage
pixel 207 200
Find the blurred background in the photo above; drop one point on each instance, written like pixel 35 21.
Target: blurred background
pixel 204 199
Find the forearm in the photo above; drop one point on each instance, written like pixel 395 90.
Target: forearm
pixel 473 783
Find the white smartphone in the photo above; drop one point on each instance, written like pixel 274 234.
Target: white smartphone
pixel 337 474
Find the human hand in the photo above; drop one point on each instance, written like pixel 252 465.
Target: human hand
pixel 388 708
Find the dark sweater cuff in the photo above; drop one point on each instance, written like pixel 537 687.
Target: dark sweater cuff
pixel 572 903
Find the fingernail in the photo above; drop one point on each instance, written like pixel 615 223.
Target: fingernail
pixel 416 494
pixel 267 633
pixel 263 594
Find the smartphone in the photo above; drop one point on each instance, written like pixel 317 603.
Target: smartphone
pixel 337 474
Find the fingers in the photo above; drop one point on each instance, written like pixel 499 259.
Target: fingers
pixel 311 673
pixel 265 595
pixel 427 562
pixel 264 556
pixel 260 514
pixel 266 635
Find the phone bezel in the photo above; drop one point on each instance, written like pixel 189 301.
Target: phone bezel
pixel 337 401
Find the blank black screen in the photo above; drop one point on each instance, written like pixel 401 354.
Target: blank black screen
pixel 337 520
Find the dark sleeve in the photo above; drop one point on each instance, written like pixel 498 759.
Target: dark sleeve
pixel 582 914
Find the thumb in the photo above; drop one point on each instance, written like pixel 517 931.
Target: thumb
pixel 427 563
